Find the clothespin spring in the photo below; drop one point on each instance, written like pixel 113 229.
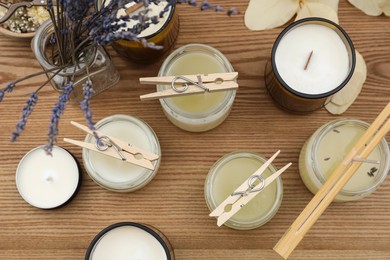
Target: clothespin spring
pixel 105 142
pixel 185 85
pixel 251 185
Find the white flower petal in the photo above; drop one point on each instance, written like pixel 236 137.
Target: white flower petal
pixel 384 5
pixel 343 99
pixel 369 7
pixel 266 14
pixel 317 9
pixel 334 4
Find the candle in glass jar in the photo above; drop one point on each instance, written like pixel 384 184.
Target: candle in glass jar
pixel 129 240
pixel 115 174
pixel 328 146
pixel 47 181
pixel 311 60
pixel 197 112
pixel 230 172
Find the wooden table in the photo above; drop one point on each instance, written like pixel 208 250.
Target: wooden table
pixel 174 201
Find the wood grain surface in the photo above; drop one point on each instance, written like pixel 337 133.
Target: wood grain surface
pixel 174 201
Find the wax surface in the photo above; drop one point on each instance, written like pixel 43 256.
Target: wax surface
pixel 332 150
pixel 112 169
pixel 231 175
pixel 329 63
pixel 197 63
pixel 154 10
pixel 128 243
pixel 47 181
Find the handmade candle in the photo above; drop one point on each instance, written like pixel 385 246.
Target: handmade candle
pixel 46 181
pixel 326 148
pixel 311 60
pixel 115 174
pixel 198 112
pixel 164 33
pixel 230 172
pixel 132 241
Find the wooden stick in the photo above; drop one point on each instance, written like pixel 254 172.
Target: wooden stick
pixel 134 8
pixel 333 185
pixel 308 60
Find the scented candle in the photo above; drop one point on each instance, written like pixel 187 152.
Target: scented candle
pixel 115 174
pixel 230 172
pixel 197 112
pixel 132 241
pixel 311 60
pixel 164 33
pixel 48 181
pixel 326 148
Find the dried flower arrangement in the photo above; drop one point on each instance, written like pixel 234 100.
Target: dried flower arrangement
pixel 78 27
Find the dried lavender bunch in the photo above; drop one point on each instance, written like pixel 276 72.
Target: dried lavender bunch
pixel 80 26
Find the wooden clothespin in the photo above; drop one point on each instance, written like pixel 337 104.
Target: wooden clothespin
pixel 246 192
pixel 115 148
pixel 191 84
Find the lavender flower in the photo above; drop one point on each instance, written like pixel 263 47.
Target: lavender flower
pixel 85 103
pixel 232 11
pixel 205 5
pixel 57 111
pixel 218 8
pixel 27 110
pixel 192 2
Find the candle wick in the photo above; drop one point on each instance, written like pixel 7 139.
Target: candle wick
pixel 49 179
pixel 308 60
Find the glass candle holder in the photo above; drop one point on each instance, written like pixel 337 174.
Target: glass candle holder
pixel 197 112
pixel 230 172
pixel 129 240
pixel 163 34
pixel 326 148
pixel 311 60
pixel 114 174
pixel 48 181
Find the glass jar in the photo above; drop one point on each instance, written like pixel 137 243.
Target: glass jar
pixel 311 60
pixel 129 240
pixel 325 150
pixel 163 34
pixel 114 174
pixel 227 174
pixel 198 112
pixel 101 70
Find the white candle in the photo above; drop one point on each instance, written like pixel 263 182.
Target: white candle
pixel 115 174
pixel 128 242
pixel 328 146
pixel 198 112
pixel 328 66
pixel 230 172
pixel 46 181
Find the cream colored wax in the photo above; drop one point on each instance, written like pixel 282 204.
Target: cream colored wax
pixel 128 243
pixel 330 150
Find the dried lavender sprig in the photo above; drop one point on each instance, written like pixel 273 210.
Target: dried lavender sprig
pixel 206 5
pixel 57 111
pixel 88 91
pixel 27 110
pixel 232 11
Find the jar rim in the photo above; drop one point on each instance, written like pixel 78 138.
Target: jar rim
pixel 211 203
pixel 383 148
pixel 193 48
pixel 134 184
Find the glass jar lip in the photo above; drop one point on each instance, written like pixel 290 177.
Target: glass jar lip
pixel 95 241
pixel 146 176
pixel 190 48
pixel 383 146
pixel 299 23
pixel 210 180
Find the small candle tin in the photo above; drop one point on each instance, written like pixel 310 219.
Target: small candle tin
pixel 198 112
pixel 162 34
pixel 130 240
pixel 227 174
pixel 48 181
pixel 114 174
pixel 326 148
pixel 311 60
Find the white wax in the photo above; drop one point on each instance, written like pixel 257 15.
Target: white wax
pixel 46 181
pixel 112 169
pixel 128 243
pixel 329 63
pixel 154 10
